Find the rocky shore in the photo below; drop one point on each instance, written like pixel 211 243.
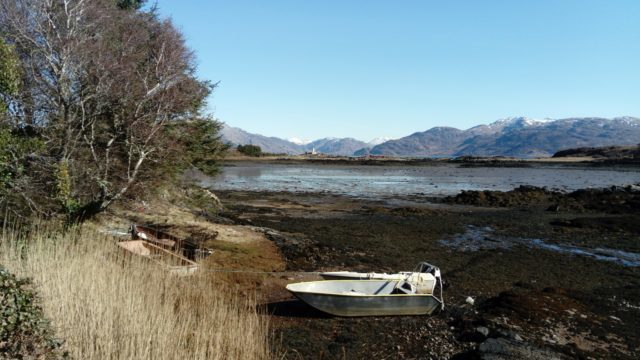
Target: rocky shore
pixel 559 277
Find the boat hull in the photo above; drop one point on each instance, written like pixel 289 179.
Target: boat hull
pixel 170 261
pixel 363 298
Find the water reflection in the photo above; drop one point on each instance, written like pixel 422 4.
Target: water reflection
pixel 483 238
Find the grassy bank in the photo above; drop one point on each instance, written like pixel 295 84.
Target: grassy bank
pixel 106 304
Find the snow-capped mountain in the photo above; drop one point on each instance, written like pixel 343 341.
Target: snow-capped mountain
pixel 379 140
pixel 516 136
pixel 518 122
pixel 298 141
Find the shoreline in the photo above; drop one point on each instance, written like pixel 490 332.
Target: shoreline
pixel 462 161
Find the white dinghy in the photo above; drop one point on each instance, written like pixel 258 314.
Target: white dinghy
pixel 422 267
pixel 412 295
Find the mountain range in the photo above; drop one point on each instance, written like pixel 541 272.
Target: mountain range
pixel 514 136
pixel 332 146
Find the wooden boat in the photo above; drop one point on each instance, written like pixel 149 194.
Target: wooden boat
pixel 422 267
pixel 167 241
pixel 167 259
pixel 154 236
pixel 413 295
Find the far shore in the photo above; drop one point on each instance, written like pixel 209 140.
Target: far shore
pixel 394 160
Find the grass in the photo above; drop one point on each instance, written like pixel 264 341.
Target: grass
pixel 105 304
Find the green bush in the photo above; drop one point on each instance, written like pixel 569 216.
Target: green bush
pixel 250 150
pixel 24 332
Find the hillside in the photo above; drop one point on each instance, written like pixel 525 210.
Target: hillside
pixel 331 146
pixel 518 137
pixel 237 136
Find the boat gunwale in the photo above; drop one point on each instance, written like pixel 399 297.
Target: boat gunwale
pixel 354 294
pixel 190 264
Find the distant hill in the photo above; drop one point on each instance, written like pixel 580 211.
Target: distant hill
pixel 517 136
pixel 331 146
pixel 237 136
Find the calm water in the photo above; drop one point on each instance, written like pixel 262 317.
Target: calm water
pixel 390 181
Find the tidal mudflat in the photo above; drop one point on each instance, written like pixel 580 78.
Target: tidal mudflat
pixel 552 274
pixel 377 181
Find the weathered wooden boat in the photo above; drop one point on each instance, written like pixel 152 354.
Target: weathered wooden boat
pixel 170 261
pixel 413 295
pixel 422 267
pixel 168 241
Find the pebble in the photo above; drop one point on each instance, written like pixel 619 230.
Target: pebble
pixel 470 300
pixel 483 330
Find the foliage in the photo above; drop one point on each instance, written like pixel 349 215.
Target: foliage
pixel 130 4
pixel 24 332
pixel 64 189
pixel 19 166
pixel 200 145
pixel 9 73
pixel 250 150
pixel 115 108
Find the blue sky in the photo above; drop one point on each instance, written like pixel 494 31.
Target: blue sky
pixel 365 68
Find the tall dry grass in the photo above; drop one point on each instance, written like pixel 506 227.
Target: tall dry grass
pixel 105 304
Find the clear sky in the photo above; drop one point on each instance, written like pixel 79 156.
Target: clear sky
pixel 365 68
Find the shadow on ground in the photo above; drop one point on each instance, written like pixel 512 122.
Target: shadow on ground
pixel 292 308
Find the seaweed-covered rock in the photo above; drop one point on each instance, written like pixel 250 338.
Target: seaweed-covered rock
pixel 522 195
pixel 613 200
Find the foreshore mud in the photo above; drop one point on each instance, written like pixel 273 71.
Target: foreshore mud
pixel 552 275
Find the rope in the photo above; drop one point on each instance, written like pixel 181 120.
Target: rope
pixel 275 273
pixel 109 257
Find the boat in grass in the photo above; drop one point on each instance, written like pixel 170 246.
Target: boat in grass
pixel 167 241
pixel 413 294
pixel 168 260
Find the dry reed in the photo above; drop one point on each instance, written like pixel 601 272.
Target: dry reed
pixel 105 304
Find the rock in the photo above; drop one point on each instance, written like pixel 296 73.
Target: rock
pixel 470 300
pixel 483 330
pixel 510 334
pixel 554 208
pixel 503 349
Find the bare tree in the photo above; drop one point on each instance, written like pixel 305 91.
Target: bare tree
pixel 102 83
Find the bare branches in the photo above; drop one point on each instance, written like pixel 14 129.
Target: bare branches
pixel 101 83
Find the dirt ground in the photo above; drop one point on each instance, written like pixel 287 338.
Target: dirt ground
pixel 530 301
